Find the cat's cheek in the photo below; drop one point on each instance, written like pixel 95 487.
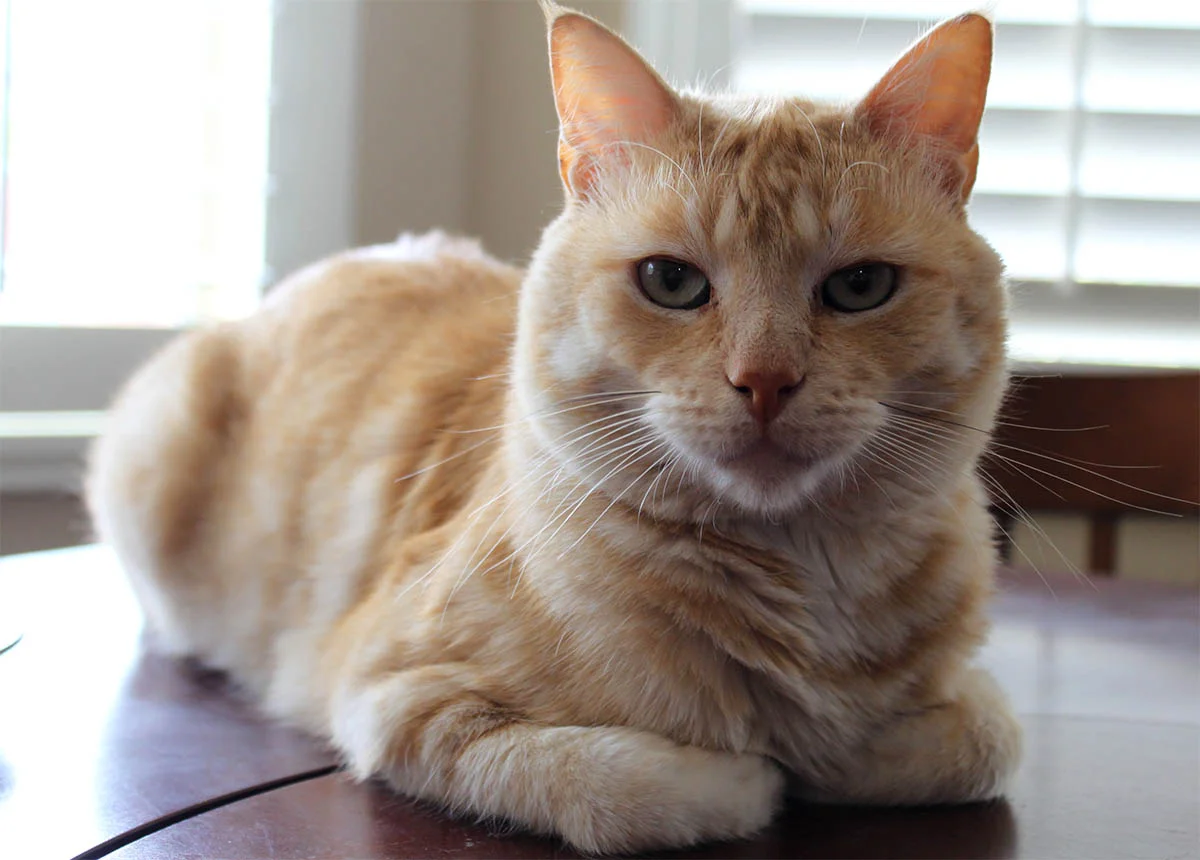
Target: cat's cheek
pixel 571 356
pixel 917 335
pixel 960 357
pixel 661 350
pixel 950 352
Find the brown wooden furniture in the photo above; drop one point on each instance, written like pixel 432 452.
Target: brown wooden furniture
pixel 106 749
pixel 1149 421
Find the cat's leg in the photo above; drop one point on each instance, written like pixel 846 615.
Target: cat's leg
pixel 431 734
pixel 963 748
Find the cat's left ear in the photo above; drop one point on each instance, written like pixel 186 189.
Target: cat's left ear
pixel 937 91
pixel 607 96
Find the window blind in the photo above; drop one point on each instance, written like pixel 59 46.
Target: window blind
pixel 1089 177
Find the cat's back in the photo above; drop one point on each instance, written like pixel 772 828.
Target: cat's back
pixel 377 354
pixel 398 291
pixel 250 456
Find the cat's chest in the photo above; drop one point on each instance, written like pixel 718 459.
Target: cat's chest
pixel 746 675
pixel 803 612
pixel 698 693
pixel 722 644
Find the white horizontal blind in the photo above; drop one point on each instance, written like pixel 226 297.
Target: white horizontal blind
pixel 136 161
pixel 1089 177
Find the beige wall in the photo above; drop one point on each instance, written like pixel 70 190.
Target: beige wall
pixel 413 134
pixel 398 115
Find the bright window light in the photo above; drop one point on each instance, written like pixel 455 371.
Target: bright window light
pixel 136 161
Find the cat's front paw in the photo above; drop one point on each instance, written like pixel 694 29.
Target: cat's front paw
pixel 604 789
pixel 745 799
pixel 681 798
pixel 961 750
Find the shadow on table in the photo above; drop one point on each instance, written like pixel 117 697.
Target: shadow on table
pixel 980 830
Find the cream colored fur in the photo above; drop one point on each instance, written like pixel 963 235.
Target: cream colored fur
pixel 514 542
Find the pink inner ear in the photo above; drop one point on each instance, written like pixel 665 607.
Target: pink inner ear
pixel 937 89
pixel 605 93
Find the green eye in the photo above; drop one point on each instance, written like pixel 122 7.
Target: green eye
pixel 859 288
pixel 672 284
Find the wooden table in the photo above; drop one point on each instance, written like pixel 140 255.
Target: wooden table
pixel 108 750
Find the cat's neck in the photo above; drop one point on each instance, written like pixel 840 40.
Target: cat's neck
pixel 849 542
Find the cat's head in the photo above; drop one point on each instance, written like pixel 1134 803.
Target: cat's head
pixel 738 286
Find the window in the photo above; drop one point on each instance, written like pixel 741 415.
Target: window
pixel 136 162
pixel 1089 178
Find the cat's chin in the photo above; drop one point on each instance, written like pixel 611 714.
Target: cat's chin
pixel 767 480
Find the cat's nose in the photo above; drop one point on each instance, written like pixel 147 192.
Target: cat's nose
pixel 766 391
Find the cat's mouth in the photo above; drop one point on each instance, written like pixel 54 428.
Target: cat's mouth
pixel 765 477
pixel 763 458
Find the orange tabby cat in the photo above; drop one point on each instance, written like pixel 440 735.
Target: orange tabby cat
pixel 607 547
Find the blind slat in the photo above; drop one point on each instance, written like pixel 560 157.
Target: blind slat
pixel 1140 157
pixel 1152 70
pixel 1122 156
pixel 1139 242
pixel 1029 233
pixel 839 59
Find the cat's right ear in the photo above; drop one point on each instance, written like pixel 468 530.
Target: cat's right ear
pixel 608 98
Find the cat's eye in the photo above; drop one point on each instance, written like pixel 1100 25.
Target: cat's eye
pixel 673 284
pixel 859 288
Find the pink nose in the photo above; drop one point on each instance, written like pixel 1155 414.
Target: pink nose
pixel 767 391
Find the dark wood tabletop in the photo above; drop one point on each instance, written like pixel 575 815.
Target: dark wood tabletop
pixel 108 749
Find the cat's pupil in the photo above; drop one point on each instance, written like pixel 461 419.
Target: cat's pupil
pixel 860 281
pixel 674 276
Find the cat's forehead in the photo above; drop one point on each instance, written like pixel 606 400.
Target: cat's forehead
pixel 748 132
pixel 767 170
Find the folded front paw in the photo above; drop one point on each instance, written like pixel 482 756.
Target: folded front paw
pixel 682 798
pixel 961 750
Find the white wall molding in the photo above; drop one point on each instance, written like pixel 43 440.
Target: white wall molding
pixel 42 465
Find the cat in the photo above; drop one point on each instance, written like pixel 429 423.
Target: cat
pixel 621 547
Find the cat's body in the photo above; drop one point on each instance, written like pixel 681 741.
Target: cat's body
pixel 502 540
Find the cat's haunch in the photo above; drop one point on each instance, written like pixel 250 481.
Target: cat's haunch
pixel 607 547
